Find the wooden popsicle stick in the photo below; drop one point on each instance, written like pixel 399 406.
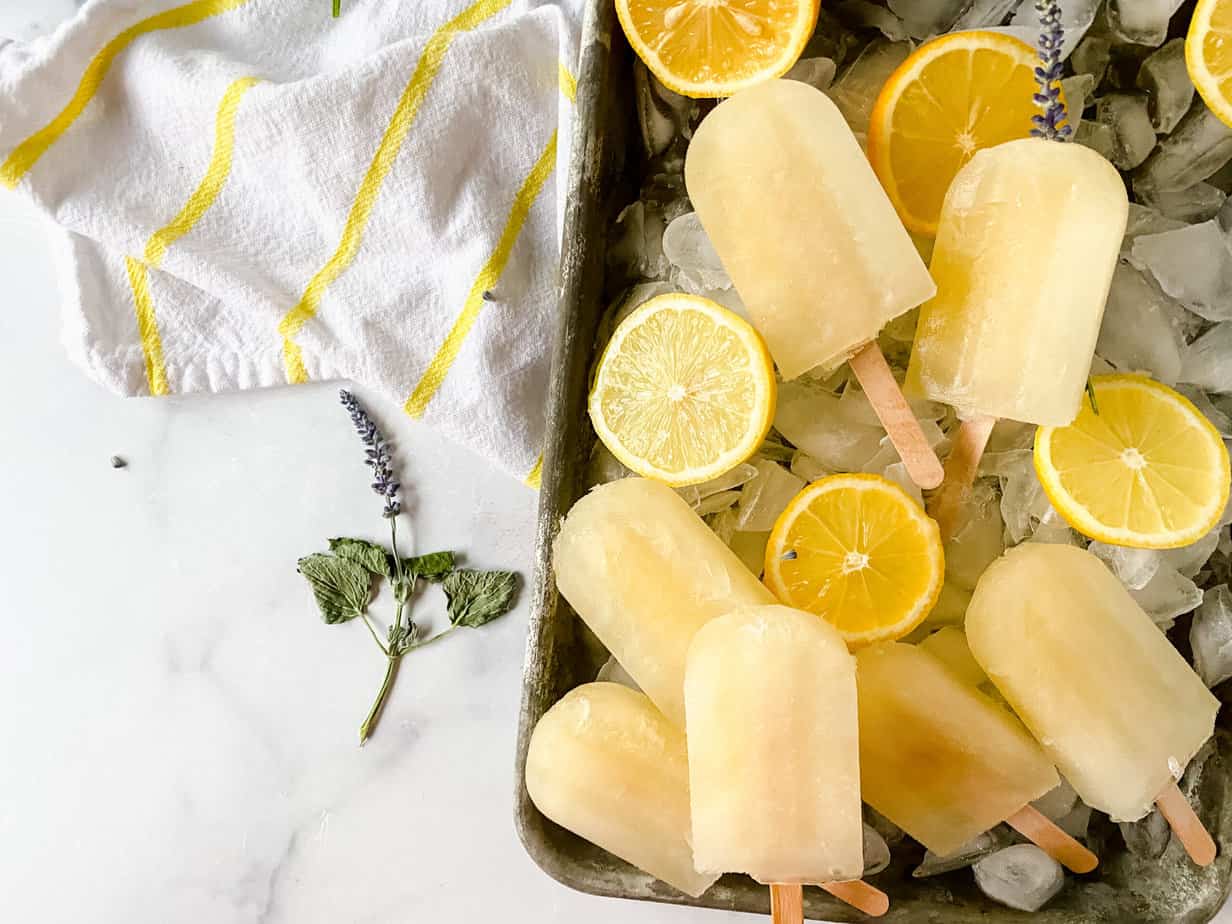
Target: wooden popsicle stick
pixel 787 904
pixel 1186 825
pixel 1040 831
pixel 895 415
pixel 961 466
pixel 861 896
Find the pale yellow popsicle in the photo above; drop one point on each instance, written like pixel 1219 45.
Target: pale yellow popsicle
pixel 645 573
pixel 605 764
pixel 795 212
pixel 774 771
pixel 1113 703
pixel 1027 242
pixel 937 757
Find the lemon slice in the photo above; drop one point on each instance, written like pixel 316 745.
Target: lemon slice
pixel 952 97
pixel 684 391
pixel 717 47
pixel 1148 471
pixel 1208 55
pixel 860 553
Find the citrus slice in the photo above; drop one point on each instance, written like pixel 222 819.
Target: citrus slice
pixel 952 97
pixel 717 47
pixel 684 391
pixel 1148 471
pixel 860 553
pixel 1208 55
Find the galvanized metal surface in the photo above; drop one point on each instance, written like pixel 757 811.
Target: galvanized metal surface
pixel 560 653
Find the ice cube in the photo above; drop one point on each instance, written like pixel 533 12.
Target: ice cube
pixel 724 525
pixel 1189 559
pixel 861 14
pixel 806 467
pixel 978 539
pixel 1210 636
pixel 887 454
pixel 890 832
pixel 1207 362
pixel 810 418
pixel 951 606
pixel 1054 531
pixel 638 250
pixel 876 852
pixel 1024 505
pixel 926 18
pixel 1092 56
pixel 1192 264
pixel 1097 136
pixel 981 14
pixel 979 846
pixel 1141 22
pixel 855 92
pixel 730 299
pixel 1126 115
pixel 612 672
pixel 1147 837
pixel 728 481
pixel 1145 220
pixel 1167 595
pixel 687 247
pixel 766 496
pixel 1078 91
pixel 663 115
pixel 1200 202
pixel 816 72
pixel 750 548
pixel 854 407
pixel 1022 877
pixel 898 474
pixel 1133 567
pixel 1058 802
pixel 1218 418
pixel 1166 81
pixel 717 503
pixel 1137 333
pixel 1198 147
pixel 1077 16
pixel 1075 824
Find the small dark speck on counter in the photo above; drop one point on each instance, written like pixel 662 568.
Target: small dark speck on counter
pixel 488 296
pixel 118 462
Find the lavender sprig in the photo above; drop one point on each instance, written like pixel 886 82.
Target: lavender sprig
pixel 379 454
pixel 1053 123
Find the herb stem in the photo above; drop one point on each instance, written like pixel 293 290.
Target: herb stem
pixel 376 638
pixel 429 641
pixel 374 714
pixel 337 8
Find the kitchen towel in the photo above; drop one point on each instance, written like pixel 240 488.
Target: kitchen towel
pixel 254 193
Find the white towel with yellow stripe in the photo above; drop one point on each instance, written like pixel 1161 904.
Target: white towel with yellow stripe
pixel 255 193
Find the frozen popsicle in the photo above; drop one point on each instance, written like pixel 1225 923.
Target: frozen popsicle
pixel 1113 703
pixel 644 573
pixel 944 762
pixel 608 766
pixel 811 241
pixel 1027 242
pixel 774 775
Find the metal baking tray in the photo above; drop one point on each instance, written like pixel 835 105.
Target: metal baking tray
pixel 561 654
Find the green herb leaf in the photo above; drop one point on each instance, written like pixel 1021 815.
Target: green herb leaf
pixel 477 597
pixel 342 588
pixel 369 555
pixel 434 566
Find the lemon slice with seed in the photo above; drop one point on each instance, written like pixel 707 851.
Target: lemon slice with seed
pixel 1148 471
pixel 684 391
pixel 1208 55
pixel 705 48
pixel 860 553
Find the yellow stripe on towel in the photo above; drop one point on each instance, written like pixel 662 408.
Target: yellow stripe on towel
pixel 386 153
pixel 535 478
pixel 202 198
pixel 435 374
pixel 568 83
pixel 27 154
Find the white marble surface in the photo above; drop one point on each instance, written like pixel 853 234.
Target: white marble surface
pixel 178 729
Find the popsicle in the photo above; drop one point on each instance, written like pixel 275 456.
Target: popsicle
pixel 944 762
pixel 811 241
pixel 644 573
pixel 1028 239
pixel 774 776
pixel 1113 703
pixel 608 766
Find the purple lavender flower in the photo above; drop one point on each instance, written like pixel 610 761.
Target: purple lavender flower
pixel 379 454
pixel 1053 122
